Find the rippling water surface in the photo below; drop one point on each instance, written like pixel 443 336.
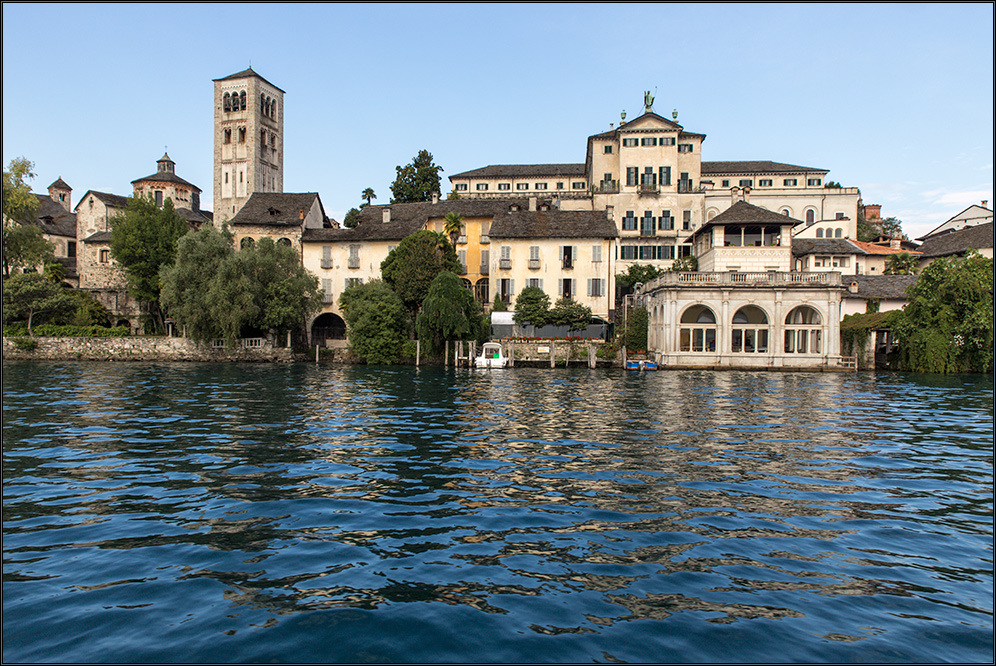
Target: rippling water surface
pixel 196 512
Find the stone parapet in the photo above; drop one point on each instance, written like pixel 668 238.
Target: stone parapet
pixel 144 348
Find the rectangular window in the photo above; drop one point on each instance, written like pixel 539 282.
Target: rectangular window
pixel 560 186
pixel 327 290
pixel 631 175
pixel 665 176
pixel 522 186
pixel 686 219
pixel 505 261
pixel 159 198
pixel 607 148
pixel 746 182
pixel 462 258
pixel 840 216
pixel 354 256
pixel 814 182
pixel 627 252
pixel 629 221
pixel 534 257
pixel 596 287
pixel 665 221
pixel 790 182
pixel 684 147
pixel 684 250
pixel 353 282
pixel 578 185
pixel 228 136
pixel 567 256
pixel 105 256
pixel 726 183
pixel 535 282
pixel 326 256
pixel 504 186
pixel 506 288
pixel 630 142
pixel 481 187
pixel 485 262
pixel 596 253
pixel 565 288
pixel 667 252
pixel 647 224
pixel 71 249
pixel 764 182
pixel 540 186
pixel 461 187
pixel 648 141
pixel 666 141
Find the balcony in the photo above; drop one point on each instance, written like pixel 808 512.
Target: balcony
pixel 354 262
pixel 606 187
pixel 534 264
pixel 746 279
pixel 326 263
pixel 485 268
pixel 328 298
pixel 685 187
pixel 485 239
pixel 648 190
pixel 505 264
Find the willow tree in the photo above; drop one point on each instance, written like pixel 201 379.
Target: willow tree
pixel 375 322
pixel 449 312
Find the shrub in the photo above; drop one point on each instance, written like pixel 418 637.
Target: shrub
pixel 25 344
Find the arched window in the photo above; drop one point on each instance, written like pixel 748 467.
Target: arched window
pixel 786 212
pixel 698 330
pixel 819 233
pixel 284 241
pixel 273 110
pixel 246 243
pixel 750 331
pixel 242 100
pixel 262 103
pixel 803 331
pixel 810 216
pixel 482 291
pixel 838 233
pixel 227 102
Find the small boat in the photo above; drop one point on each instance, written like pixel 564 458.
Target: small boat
pixel 491 356
pixel 641 365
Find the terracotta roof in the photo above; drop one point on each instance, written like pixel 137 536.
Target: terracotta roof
pixel 245 74
pixel 279 209
pixel 523 171
pixel 553 224
pixel 874 248
pixel 958 242
pixel 891 287
pixel 754 166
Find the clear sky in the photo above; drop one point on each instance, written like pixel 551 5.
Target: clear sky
pixel 896 99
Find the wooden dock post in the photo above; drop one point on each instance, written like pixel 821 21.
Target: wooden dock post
pixel 591 355
pixel 553 354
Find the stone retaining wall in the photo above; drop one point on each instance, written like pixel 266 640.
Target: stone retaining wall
pixel 139 348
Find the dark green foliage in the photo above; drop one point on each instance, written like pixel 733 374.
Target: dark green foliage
pixel 947 325
pixel 687 264
pixel 25 344
pixel 82 309
pixel 498 305
pixel 642 273
pixel 902 263
pixel 352 218
pixel 30 295
pixel 143 240
pixel 19 204
pixel 188 282
pixel 69 331
pixel 636 328
pixel 570 313
pixel 368 194
pixel 449 312
pixel 532 306
pixel 24 246
pixel 412 266
pixel 376 322
pixel 416 181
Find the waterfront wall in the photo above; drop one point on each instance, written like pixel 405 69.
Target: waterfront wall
pixel 143 348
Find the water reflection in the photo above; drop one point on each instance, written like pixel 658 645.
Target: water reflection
pixel 578 504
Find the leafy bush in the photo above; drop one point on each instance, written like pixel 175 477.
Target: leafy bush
pixel 25 344
pixel 68 331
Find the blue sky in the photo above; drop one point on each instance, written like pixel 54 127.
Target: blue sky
pixel 896 99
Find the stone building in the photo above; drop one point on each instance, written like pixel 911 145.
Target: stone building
pixel 248 141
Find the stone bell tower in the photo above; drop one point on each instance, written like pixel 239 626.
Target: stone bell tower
pixel 248 141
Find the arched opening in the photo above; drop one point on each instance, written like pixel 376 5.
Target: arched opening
pixel 803 331
pixel 467 284
pixel 482 291
pixel 698 330
pixel 226 102
pixel 123 322
pixel 328 326
pixel 787 212
pixel 838 233
pixel 242 100
pixel 750 331
pixel 810 216
pixel 246 243
pixel 284 241
pixel 819 233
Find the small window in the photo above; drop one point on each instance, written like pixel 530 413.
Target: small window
pixel 481 187
pixel 746 182
pixel 228 136
pixel 629 221
pixel 810 216
pixel 596 253
pixel 540 186
pixel 522 186
pixel 819 233
pixel 666 141
pixel 684 147
pixel 838 233
pixel 686 219
pixel 461 187
pixel 607 148
pixel 814 182
pixel 839 216
pixel 105 256
pixel 242 135
pixel 504 186
pixel 577 185
pixel 630 142
pixel 284 241
pixel 648 141
pixel 560 186
pixel 726 183
pixel 764 182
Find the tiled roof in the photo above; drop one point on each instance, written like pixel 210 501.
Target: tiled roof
pixel 114 200
pixel 958 242
pixel 754 166
pixel 53 218
pixel 245 74
pixel 280 209
pixel 99 237
pixel 166 177
pixel 873 248
pixel 804 246
pixel 522 171
pixel 744 213
pixel 195 217
pixel 553 224
pixel 60 184
pixel 891 287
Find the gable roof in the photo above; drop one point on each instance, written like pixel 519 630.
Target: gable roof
pixel 976 237
pixel 53 218
pixel 278 209
pixel 60 184
pixel 754 166
pixel 974 214
pixel 522 171
pixel 113 200
pixel 166 177
pixel 553 223
pixel 745 213
pixel 890 287
pixel 804 246
pixel 245 74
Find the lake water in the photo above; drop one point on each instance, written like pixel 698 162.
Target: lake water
pixel 233 513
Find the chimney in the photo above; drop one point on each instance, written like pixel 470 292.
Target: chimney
pixel 853 287
pixel 984 203
pixel 746 195
pixel 734 195
pixel 435 197
pixel 387 215
pixel 532 204
pixel 895 243
pixel 611 126
pixel 610 212
pixel 300 213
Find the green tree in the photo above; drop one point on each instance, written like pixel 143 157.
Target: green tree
pixel 19 204
pixel 947 324
pixel 498 305
pixel 642 273
pixel 368 194
pixel 24 246
pixel 375 322
pixel 893 228
pixel 452 226
pixel 30 295
pixel 416 181
pixel 532 306
pixel 449 312
pixel 411 267
pixel 143 240
pixel 187 283
pixel 352 218
pixel 570 313
pixel 635 333
pixel 686 264
pixel 902 263
pixel 285 294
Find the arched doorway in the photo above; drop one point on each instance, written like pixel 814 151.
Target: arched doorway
pixel 698 330
pixel 749 334
pixel 328 326
pixel 803 331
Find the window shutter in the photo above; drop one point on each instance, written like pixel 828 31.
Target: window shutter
pixel 541 283
pixel 590 290
pixel 511 287
pixel 560 287
pixel 326 252
pixel 574 287
pixel 561 253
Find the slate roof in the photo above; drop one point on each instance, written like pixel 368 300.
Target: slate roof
pixel 60 184
pixel 523 171
pixel 115 200
pixel 278 209
pixel 53 218
pixel 166 177
pixel 553 224
pixel 804 246
pixel 245 74
pixel 744 213
pixel 195 217
pixel 754 166
pixel 958 242
pixel 99 237
pixel 890 287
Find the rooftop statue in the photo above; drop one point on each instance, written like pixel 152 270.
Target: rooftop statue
pixel 648 102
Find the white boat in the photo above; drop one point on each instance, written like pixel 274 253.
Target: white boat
pixel 491 356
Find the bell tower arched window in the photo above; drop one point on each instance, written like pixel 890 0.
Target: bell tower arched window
pixel 227 102
pixel 242 100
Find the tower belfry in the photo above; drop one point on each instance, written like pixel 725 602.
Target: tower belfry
pixel 248 141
